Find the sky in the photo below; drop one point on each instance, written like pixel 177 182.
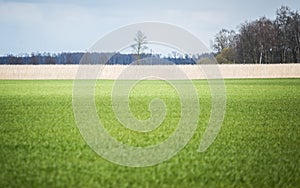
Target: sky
pixel 74 26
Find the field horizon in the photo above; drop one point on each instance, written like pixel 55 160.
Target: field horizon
pixel 112 72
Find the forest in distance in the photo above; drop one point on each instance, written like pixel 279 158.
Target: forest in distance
pixel 95 58
pixel 262 41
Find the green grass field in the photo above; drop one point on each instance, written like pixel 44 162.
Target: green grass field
pixel 258 145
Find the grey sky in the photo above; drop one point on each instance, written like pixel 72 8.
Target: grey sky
pixel 55 26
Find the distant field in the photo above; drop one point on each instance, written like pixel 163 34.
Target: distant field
pixel 111 72
pixel 258 145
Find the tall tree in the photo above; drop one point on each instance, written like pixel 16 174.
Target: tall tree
pixel 224 39
pixel 288 25
pixel 140 44
pixel 225 45
pixel 256 41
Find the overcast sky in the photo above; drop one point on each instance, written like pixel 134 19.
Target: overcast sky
pixel 65 25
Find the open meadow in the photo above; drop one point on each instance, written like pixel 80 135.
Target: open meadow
pixel 258 145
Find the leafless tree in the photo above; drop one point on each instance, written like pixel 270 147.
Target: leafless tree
pixel 288 25
pixel 224 39
pixel 140 44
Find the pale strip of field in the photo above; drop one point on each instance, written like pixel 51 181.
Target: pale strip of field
pixel 32 72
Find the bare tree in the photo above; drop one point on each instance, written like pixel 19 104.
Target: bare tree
pixel 140 44
pixel 224 39
pixel 256 41
pixel 225 42
pixel 288 24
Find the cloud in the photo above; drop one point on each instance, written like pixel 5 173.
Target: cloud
pixel 19 12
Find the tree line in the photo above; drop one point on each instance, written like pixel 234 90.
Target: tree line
pixel 92 58
pixel 262 40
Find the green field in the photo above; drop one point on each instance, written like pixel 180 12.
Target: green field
pixel 258 145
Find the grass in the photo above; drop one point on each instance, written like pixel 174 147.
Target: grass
pixel 258 146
